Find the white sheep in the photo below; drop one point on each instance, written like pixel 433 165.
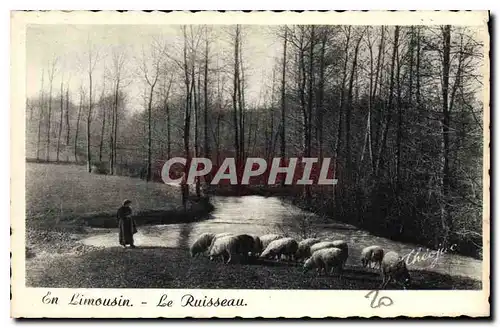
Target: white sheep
pixel 219 235
pixel 317 246
pixel 230 246
pixel 326 259
pixel 284 246
pixel 266 239
pixel 394 268
pixel 372 255
pixel 304 247
pixel 340 244
pixel 201 244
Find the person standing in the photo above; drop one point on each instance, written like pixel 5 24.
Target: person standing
pixel 184 191
pixel 126 224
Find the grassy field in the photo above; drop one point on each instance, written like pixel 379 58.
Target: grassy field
pixel 64 202
pixel 62 199
pixel 174 268
pixel 58 192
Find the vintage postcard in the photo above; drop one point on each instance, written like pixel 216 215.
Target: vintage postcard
pixel 263 164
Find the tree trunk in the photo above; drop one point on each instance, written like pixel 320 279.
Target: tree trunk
pixel 411 55
pixel 321 91
pixel 89 118
pixel 206 144
pixel 380 61
pixel 445 125
pixel 390 103
pixel 187 118
pixel 235 95
pixel 400 125
pixel 59 132
pixel 308 127
pixel 111 136
pixel 241 104
pixel 67 121
pixel 418 68
pixel 150 104
pixel 40 117
pixel 115 124
pixel 283 103
pixel 167 112
pixel 338 141
pixel 196 96
pixel 349 110
pixel 78 128
pixel 101 144
pixel 49 117
pixel 367 138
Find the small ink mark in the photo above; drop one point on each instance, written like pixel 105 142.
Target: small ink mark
pixel 380 300
pixel 144 303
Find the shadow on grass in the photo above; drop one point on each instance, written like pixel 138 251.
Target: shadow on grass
pixel 158 267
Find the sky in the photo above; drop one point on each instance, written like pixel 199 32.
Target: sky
pixel 69 44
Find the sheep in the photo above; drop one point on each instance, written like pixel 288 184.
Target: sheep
pixel 317 246
pixel 342 245
pixel 372 255
pixel 266 239
pixel 283 246
pixel 221 247
pixel 304 247
pixel 326 259
pixel 201 244
pixel 394 268
pixel 231 245
pixel 246 245
pixel 219 235
pixel 257 249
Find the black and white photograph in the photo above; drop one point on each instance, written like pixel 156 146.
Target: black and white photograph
pixel 216 153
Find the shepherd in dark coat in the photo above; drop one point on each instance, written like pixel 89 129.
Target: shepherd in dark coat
pixel 126 224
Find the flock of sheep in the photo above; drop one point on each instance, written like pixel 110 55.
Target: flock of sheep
pixel 324 255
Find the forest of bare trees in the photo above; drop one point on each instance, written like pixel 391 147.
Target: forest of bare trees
pixel 398 109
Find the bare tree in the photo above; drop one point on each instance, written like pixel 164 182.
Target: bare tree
pixel 52 73
pixel 103 113
pixel 444 178
pixel 77 129
pixel 206 143
pixel 166 91
pixel 235 96
pixel 60 118
pixel 348 145
pixel 118 59
pixel 390 101
pixel 283 101
pixel 67 119
pixel 321 90
pixel 372 85
pixel 338 140
pixel 92 59
pixel 150 69
pixel 40 116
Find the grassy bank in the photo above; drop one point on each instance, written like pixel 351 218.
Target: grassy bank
pixel 61 192
pixel 64 201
